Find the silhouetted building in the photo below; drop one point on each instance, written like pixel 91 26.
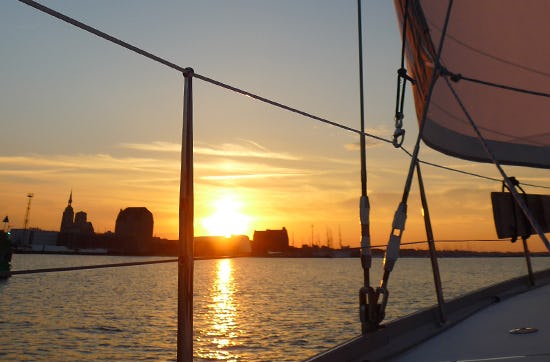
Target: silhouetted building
pixel 67 219
pixel 134 230
pixel 75 231
pixel 269 241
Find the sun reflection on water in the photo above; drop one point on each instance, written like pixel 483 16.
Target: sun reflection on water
pixel 222 312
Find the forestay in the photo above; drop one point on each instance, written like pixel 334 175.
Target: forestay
pixel 497 55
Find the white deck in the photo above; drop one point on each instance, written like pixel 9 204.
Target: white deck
pixel 485 335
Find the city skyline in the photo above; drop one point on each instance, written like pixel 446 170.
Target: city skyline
pixel 107 123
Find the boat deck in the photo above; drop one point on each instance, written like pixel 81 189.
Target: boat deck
pixel 486 335
pixel 477 328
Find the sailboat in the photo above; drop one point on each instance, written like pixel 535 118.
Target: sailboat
pixel 481 92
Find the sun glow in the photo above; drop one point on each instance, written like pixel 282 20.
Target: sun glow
pixel 227 220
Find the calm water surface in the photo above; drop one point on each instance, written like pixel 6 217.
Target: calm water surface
pixel 248 309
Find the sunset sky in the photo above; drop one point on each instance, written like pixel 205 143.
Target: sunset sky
pixel 78 113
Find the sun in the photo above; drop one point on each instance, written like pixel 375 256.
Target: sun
pixel 227 220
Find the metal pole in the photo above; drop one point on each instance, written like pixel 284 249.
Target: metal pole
pixel 431 246
pixel 367 300
pixel 186 232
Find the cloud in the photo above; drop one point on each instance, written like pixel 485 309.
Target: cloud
pixel 352 146
pixel 251 176
pixel 247 148
pixel 39 165
pixel 382 131
pixel 236 150
pixel 234 170
pixel 156 146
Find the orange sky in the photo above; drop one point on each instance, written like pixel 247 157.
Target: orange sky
pixel 106 123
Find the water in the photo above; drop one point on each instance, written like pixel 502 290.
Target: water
pixel 248 309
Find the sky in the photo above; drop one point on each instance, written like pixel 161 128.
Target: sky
pixel 80 114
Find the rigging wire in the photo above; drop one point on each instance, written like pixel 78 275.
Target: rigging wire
pixel 288 108
pixel 455 77
pixel 398 225
pixel 83 267
pixel 445 241
pixel 185 70
pixel 366 292
pixel 101 34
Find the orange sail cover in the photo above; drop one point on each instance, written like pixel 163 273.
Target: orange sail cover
pixel 496 57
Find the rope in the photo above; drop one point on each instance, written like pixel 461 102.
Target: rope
pixel 455 77
pixel 499 59
pixel 99 266
pixel 468 173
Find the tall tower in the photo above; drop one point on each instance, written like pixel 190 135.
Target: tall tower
pixel 30 196
pixel 67 220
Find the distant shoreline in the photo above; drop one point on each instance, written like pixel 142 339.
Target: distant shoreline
pixel 405 253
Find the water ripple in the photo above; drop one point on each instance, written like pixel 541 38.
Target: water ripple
pixel 249 309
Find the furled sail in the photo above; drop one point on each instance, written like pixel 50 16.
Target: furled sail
pixel 494 68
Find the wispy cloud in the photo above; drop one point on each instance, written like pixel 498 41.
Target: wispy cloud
pixel 156 146
pixel 251 176
pixel 249 150
pixel 82 163
pixel 233 169
pixel 246 148
pixel 381 131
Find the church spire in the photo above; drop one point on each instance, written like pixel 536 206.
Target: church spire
pixel 67 221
